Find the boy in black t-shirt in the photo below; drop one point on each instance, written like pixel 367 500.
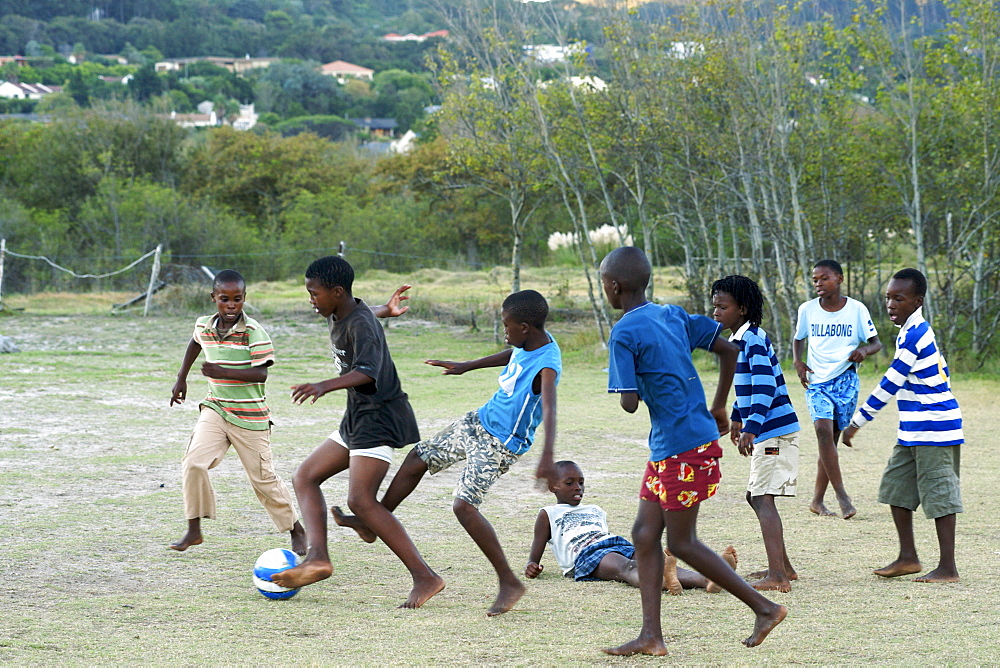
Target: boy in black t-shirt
pixel 378 418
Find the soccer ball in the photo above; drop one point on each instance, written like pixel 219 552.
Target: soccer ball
pixel 269 563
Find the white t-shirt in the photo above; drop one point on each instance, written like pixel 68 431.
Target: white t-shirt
pixel 573 528
pixel 833 336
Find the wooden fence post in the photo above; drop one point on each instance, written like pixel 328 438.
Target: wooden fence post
pixel 3 251
pixel 154 275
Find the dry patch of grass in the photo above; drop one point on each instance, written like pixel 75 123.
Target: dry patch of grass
pixel 89 458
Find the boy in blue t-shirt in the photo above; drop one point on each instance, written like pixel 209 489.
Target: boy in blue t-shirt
pixel 650 360
pixel 764 423
pixel 493 437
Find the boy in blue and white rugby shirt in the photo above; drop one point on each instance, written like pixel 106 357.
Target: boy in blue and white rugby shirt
pixel 764 423
pixel 924 465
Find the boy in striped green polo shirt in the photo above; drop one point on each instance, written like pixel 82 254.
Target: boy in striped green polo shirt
pixel 238 353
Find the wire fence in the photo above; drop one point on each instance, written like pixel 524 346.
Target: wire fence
pixel 188 267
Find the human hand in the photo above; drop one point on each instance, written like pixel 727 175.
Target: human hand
pixel 305 391
pixel 734 432
pixel 179 392
pixel 533 570
pixel 545 473
pixel 803 372
pixel 746 444
pixel 848 435
pixel 393 306
pixel 857 355
pixel 450 368
pixel 213 370
pixel 721 416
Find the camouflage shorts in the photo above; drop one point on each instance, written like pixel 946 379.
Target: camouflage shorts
pixel 486 457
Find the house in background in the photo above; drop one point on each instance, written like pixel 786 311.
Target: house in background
pixel 236 65
pixel 246 119
pixel 13 90
pixel 377 127
pixel 17 60
pixel 342 70
pixel 195 120
pixel 410 37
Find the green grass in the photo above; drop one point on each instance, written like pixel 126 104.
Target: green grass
pixel 90 497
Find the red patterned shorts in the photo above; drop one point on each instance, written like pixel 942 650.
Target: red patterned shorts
pixel 685 480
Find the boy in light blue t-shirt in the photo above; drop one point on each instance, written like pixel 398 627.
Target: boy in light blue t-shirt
pixel 493 437
pixel 841 335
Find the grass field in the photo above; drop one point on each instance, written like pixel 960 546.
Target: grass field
pixel 90 497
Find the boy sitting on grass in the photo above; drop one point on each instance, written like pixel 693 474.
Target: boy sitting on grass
pixel 923 467
pixel 764 424
pixel 585 550
pixel 493 437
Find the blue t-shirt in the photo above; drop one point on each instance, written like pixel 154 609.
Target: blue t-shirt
pixel 513 413
pixel 650 354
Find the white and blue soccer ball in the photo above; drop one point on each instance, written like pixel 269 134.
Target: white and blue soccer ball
pixel 269 563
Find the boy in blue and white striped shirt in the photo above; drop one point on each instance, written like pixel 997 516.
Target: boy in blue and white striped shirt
pixel 924 465
pixel 763 421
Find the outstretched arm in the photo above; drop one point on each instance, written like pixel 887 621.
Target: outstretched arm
pixel 458 368
pixel 179 392
pixel 727 353
pixel 546 463
pixel 393 308
pixel 314 391
pixel 542 534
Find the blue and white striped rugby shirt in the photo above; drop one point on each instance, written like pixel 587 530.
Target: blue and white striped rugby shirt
pixel 918 378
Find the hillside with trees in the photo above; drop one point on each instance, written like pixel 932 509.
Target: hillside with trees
pixel 733 138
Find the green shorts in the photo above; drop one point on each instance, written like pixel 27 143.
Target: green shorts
pixel 924 475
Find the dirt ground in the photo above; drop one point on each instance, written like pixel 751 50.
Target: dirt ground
pixel 90 496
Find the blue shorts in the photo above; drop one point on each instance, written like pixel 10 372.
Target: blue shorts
pixel 590 557
pixel 835 399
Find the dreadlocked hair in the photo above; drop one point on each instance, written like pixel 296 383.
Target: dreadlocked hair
pixel 745 293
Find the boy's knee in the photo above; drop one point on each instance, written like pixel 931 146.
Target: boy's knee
pixel 643 534
pixel 463 508
pixel 360 505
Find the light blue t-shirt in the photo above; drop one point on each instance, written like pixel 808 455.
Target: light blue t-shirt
pixel 650 354
pixel 833 336
pixel 513 413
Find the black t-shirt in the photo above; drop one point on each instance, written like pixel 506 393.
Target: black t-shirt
pixel 379 412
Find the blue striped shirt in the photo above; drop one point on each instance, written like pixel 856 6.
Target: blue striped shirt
pixel 762 402
pixel 918 378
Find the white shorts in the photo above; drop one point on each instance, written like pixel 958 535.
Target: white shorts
pixel 383 452
pixel 774 466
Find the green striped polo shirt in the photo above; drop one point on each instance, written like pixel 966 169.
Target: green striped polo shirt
pixel 246 345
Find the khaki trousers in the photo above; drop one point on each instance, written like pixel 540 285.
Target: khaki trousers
pixel 209 442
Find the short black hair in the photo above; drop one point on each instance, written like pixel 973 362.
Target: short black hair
pixel 227 276
pixel 745 293
pixel 918 280
pixel 527 306
pixel 629 266
pixel 332 271
pixel 564 464
pixel 830 264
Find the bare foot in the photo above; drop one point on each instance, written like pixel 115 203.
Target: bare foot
pixel 765 624
pixel 186 541
pixel 352 522
pixel 729 556
pixel 641 645
pixel 821 509
pixel 422 591
pixel 304 574
pixel 847 509
pixel 507 597
pixel 299 543
pixel 670 581
pixel 772 584
pixel 939 574
pixel 897 568
pixel 757 575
